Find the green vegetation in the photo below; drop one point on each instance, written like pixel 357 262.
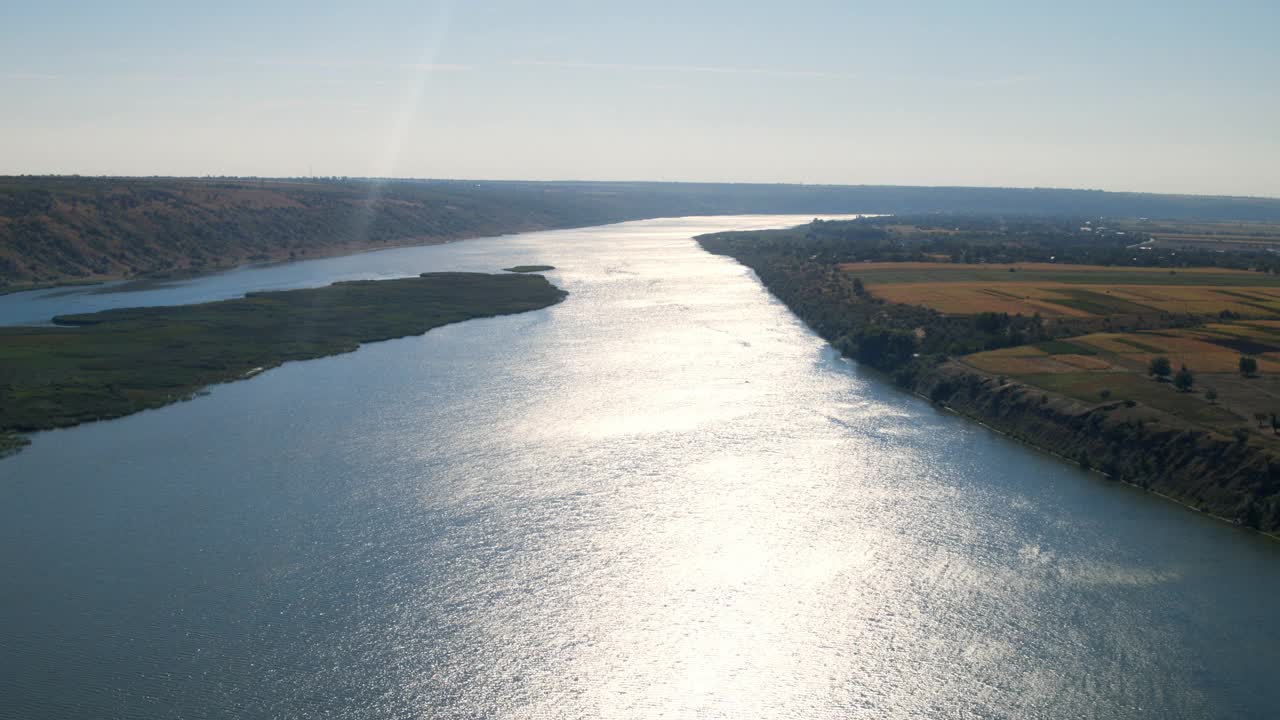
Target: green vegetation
pixel 1160 368
pixel 10 443
pixel 1062 347
pixel 1124 386
pixel 988 244
pixel 1184 380
pixel 1248 366
pixel 118 362
pixel 1138 345
pixel 1231 476
pixel 1096 303
pixel 530 268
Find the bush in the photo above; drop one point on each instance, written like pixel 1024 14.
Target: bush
pixel 942 391
pixel 1248 366
pixel 1184 379
pixel 1160 368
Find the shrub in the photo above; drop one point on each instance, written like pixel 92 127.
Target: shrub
pixel 1184 379
pixel 1248 366
pixel 1160 368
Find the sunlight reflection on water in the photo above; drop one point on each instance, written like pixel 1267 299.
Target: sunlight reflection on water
pixel 663 497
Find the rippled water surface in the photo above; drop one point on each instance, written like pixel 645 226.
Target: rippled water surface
pixel 663 497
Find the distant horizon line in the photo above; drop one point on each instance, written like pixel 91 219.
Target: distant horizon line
pixel 368 178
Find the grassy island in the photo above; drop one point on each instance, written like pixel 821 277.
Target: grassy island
pixel 113 363
pixel 530 268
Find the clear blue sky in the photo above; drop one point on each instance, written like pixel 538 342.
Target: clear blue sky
pixel 1162 96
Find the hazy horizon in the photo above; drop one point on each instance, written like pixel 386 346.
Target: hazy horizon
pixel 1123 96
pixel 557 180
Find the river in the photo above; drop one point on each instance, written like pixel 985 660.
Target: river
pixel 663 497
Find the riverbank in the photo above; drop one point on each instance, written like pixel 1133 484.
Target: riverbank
pixel 1235 477
pixel 1127 442
pixel 116 362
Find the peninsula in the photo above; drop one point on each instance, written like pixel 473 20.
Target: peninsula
pixel 113 363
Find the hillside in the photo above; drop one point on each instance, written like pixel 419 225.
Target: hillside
pixel 63 229
pixel 69 229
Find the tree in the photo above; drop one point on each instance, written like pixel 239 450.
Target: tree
pixel 1275 424
pixel 1261 418
pixel 1104 393
pixel 1212 395
pixel 1160 368
pixel 990 322
pixel 1248 366
pixel 884 348
pixel 1184 379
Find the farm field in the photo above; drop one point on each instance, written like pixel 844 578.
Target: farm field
pixel 1213 235
pixel 1053 290
pixel 896 272
pixel 1113 367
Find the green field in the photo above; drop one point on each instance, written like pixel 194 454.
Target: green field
pixel 1062 347
pixel 1087 386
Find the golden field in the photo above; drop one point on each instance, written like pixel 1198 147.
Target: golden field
pixel 1113 366
pixel 1053 290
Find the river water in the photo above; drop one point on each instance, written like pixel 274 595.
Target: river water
pixel 663 497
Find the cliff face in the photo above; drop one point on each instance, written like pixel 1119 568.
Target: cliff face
pixel 1212 473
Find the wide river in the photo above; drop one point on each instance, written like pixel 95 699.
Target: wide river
pixel 661 498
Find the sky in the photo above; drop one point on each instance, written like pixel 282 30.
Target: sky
pixel 1167 96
